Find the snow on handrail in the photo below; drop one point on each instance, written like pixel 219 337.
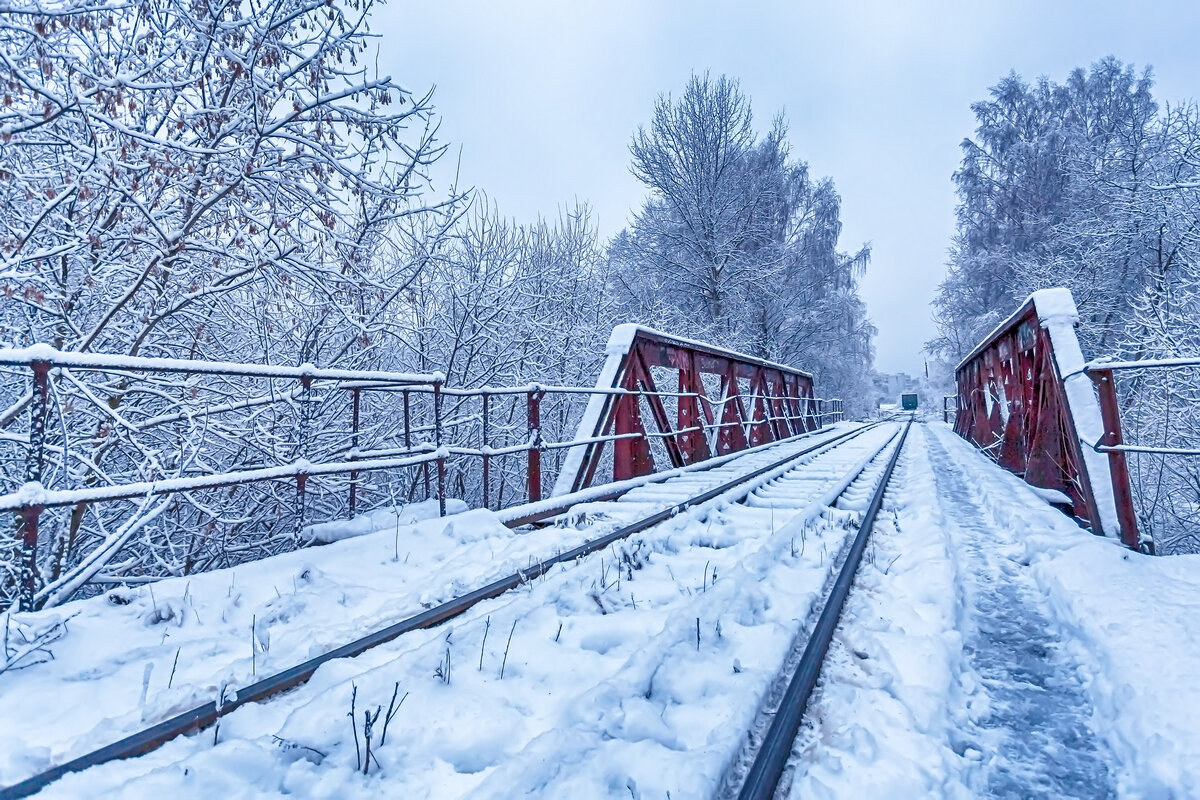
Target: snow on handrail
pixel 1148 363
pixel 1135 448
pixel 497 391
pixel 623 335
pixel 36 495
pixel 44 353
pixel 1049 305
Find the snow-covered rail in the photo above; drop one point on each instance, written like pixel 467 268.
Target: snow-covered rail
pixel 726 482
pixel 762 778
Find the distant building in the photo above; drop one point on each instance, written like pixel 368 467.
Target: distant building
pixel 889 386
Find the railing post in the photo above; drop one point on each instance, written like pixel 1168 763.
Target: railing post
pixel 354 400
pixel 487 451
pixel 301 449
pixel 408 446
pixel 534 475
pixel 35 458
pixel 1118 466
pixel 693 445
pixel 437 442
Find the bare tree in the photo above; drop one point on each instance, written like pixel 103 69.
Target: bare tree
pixel 738 245
pixel 710 212
pixel 195 179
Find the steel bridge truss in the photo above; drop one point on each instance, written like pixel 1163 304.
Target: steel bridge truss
pixel 1025 399
pixel 757 402
pixel 439 424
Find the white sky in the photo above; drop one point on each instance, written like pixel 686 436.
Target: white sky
pixel 543 98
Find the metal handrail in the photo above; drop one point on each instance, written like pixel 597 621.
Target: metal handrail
pixel 45 363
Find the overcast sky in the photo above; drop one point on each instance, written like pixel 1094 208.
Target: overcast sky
pixel 543 98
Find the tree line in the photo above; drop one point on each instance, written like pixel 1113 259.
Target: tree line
pixel 236 182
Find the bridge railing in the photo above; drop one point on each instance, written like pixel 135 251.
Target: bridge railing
pixel 949 403
pixel 1024 399
pixel 1150 418
pixel 206 447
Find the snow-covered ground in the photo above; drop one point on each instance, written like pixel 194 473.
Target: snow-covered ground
pixel 880 723
pixel 135 657
pixel 637 668
pixel 990 647
pixel 993 648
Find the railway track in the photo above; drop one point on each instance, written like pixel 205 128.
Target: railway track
pixel 729 482
pixel 805 495
pixel 861 480
pixel 761 780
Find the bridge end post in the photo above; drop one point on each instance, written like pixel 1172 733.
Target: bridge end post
pixel 1118 464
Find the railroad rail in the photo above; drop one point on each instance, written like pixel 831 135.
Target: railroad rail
pixel 771 759
pixel 731 490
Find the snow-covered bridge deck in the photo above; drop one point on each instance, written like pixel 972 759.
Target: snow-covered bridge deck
pixel 986 649
pixel 661 634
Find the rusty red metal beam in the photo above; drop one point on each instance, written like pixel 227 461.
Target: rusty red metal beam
pixel 1014 404
pixel 760 402
pixel 780 399
pixel 1117 463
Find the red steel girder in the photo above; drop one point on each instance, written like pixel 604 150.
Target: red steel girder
pixel 781 400
pixel 1013 404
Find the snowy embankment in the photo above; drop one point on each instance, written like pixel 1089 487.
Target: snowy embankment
pixel 1137 623
pixel 634 665
pixel 135 656
pixel 637 672
pixel 903 709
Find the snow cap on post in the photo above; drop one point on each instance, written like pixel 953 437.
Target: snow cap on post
pixel 1055 306
pixel 1058 314
pixel 621 339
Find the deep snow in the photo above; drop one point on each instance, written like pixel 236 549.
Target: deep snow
pixel 990 647
pixel 993 648
pixel 136 656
